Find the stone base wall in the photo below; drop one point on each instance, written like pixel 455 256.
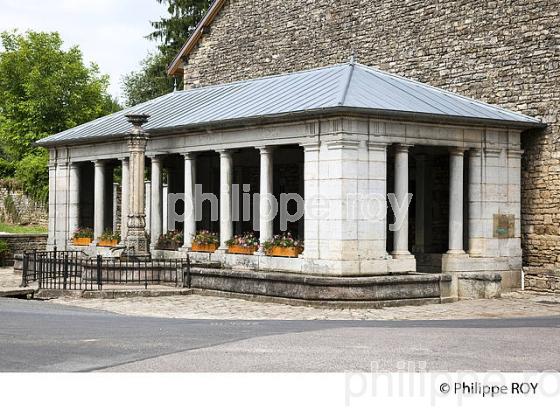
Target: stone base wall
pixel 16 207
pixel 542 280
pixel 503 52
pixel 17 243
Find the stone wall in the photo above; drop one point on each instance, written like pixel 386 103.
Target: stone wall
pixel 17 243
pixel 503 52
pixel 542 279
pixel 18 208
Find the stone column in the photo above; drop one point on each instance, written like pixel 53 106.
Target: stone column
pixel 164 207
pixel 420 201
pixel 74 200
pixel 157 203
pixel 456 179
pixel 266 221
pixel 125 197
pixel 476 231
pixel 190 214
pixel 137 240
pixel 400 239
pixel 99 200
pixel 226 176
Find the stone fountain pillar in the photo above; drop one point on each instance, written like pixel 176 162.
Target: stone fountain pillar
pixel 137 239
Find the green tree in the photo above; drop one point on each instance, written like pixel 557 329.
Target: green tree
pixel 44 89
pixel 173 31
pixel 152 81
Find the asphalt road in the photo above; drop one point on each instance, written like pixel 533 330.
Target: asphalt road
pixel 36 336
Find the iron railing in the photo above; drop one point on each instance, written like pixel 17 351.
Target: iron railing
pixel 70 270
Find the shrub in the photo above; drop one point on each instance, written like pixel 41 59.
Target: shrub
pixel 4 251
pixel 32 173
pixel 172 240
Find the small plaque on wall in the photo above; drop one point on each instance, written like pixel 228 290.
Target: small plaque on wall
pixel 504 226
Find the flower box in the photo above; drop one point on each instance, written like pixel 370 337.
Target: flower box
pixel 242 250
pixel 290 252
pixel 209 248
pixel 82 241
pixel 107 243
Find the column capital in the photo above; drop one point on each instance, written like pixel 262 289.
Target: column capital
pixel 123 159
pixel 156 156
pixel 403 147
pixel 311 146
pixel 515 153
pixel 377 145
pixel 99 162
pixel 457 150
pixel 265 149
pixel 189 155
pixel 224 153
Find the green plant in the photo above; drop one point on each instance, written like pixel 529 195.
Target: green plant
pixel 206 238
pixel 4 250
pixel 83 233
pixel 170 240
pixel 247 240
pixel 109 235
pixel 11 210
pixel 283 240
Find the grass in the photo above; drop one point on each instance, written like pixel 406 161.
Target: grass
pixel 8 228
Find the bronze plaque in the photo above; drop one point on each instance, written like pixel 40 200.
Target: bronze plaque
pixel 504 226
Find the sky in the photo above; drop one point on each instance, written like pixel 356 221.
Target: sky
pixel 110 33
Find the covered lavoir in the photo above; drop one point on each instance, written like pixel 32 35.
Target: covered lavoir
pixel 343 138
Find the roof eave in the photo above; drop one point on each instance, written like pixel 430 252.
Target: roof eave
pixel 175 67
pixel 310 114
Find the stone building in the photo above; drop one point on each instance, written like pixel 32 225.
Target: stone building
pixel 348 129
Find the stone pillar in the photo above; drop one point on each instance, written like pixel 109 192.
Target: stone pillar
pixel 420 201
pixel 125 197
pixel 99 200
pixel 190 214
pixel 456 179
pixel 148 204
pixel 164 205
pixel 312 202
pixel 400 239
pixel 266 216
pixel 115 205
pixel 226 176
pixel 476 224
pixel 137 240
pixel 51 240
pixel 157 203
pixel 74 200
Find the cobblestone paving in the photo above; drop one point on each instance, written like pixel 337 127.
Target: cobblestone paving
pixel 517 304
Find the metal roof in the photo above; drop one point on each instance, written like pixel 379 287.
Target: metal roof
pixel 338 88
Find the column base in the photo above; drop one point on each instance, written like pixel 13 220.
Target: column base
pixel 402 255
pixel 456 252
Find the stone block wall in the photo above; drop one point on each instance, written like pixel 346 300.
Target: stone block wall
pixel 16 207
pixel 17 243
pixel 504 52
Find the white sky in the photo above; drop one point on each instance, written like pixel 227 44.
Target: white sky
pixel 110 33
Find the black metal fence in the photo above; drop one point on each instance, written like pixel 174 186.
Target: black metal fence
pixel 71 270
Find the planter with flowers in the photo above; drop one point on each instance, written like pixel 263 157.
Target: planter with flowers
pixel 205 241
pixel 283 245
pixel 170 241
pixel 109 239
pixel 245 244
pixel 82 237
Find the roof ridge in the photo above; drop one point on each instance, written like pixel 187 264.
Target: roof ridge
pixel 346 85
pixel 268 77
pixel 446 92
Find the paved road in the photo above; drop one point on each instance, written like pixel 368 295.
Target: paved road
pixel 37 336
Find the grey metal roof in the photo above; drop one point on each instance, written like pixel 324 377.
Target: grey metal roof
pixel 343 87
